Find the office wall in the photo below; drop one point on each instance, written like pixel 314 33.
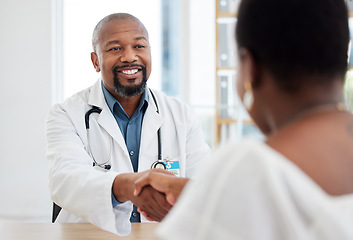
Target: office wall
pixel 25 98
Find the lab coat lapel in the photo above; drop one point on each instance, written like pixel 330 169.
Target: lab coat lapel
pixel 152 121
pixel 106 118
pixel 108 122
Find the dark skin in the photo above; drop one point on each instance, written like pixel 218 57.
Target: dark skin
pixel 306 127
pixel 122 42
pixel 330 164
pixel 154 202
pixel 163 181
pixel 125 42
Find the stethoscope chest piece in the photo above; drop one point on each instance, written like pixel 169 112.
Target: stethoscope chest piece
pixel 159 164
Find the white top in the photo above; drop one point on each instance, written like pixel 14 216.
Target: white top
pixel 250 191
pixel 84 191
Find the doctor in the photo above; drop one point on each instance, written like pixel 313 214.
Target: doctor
pixel 104 138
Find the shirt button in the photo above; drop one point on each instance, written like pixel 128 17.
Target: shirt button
pixel 131 153
pixel 134 214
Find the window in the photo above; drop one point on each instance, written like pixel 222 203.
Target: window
pixel 79 19
pixel 182 36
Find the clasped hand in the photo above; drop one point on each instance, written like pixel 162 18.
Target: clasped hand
pixel 164 183
pixel 154 191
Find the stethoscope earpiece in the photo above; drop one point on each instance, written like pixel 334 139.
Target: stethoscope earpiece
pixel 107 167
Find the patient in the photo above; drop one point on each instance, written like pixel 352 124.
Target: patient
pixel 298 183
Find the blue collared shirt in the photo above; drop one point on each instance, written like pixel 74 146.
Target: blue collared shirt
pixel 130 129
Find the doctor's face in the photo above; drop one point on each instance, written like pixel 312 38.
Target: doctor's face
pixel 123 57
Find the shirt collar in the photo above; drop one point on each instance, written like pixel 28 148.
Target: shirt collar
pixel 111 101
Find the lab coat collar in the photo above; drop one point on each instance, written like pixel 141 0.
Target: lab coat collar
pixel 152 121
pixel 106 118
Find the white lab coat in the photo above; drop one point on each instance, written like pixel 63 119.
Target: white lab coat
pixel 84 191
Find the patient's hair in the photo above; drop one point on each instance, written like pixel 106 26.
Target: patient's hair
pixel 295 38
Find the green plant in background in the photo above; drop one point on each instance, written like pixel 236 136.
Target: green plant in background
pixel 348 90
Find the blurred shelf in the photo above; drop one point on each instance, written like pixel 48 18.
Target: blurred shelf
pixel 232 121
pixel 226 15
pixel 225 68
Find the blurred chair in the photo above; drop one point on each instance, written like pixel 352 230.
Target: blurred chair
pixel 56 211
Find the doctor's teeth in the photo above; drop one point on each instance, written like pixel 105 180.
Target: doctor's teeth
pixel 133 71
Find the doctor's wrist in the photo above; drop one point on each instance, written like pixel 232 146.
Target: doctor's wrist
pixel 123 186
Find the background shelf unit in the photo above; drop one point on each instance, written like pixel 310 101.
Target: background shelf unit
pixel 230 115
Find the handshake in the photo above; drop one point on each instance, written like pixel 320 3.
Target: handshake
pixel 154 191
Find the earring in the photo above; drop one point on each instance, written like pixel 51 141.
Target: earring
pixel 248 98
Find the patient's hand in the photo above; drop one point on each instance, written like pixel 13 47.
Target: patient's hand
pixel 152 201
pixel 162 181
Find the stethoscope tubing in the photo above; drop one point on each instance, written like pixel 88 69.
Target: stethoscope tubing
pixel 95 109
pixel 159 129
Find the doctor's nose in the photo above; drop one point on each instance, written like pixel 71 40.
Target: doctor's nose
pixel 129 55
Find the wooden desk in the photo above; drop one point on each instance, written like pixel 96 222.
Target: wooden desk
pixel 71 231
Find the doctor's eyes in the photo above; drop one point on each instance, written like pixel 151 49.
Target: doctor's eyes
pixel 140 46
pixel 114 49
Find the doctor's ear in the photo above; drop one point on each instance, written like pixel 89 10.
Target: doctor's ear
pixel 95 62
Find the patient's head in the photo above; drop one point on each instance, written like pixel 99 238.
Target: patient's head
pixel 295 38
pixel 292 57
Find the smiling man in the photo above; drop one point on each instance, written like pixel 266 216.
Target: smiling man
pixel 124 38
pixel 104 138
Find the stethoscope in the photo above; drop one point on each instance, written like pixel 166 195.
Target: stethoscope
pixel 156 164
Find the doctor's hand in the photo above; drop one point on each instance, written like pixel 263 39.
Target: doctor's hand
pixel 149 199
pixel 154 204
pixel 164 182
